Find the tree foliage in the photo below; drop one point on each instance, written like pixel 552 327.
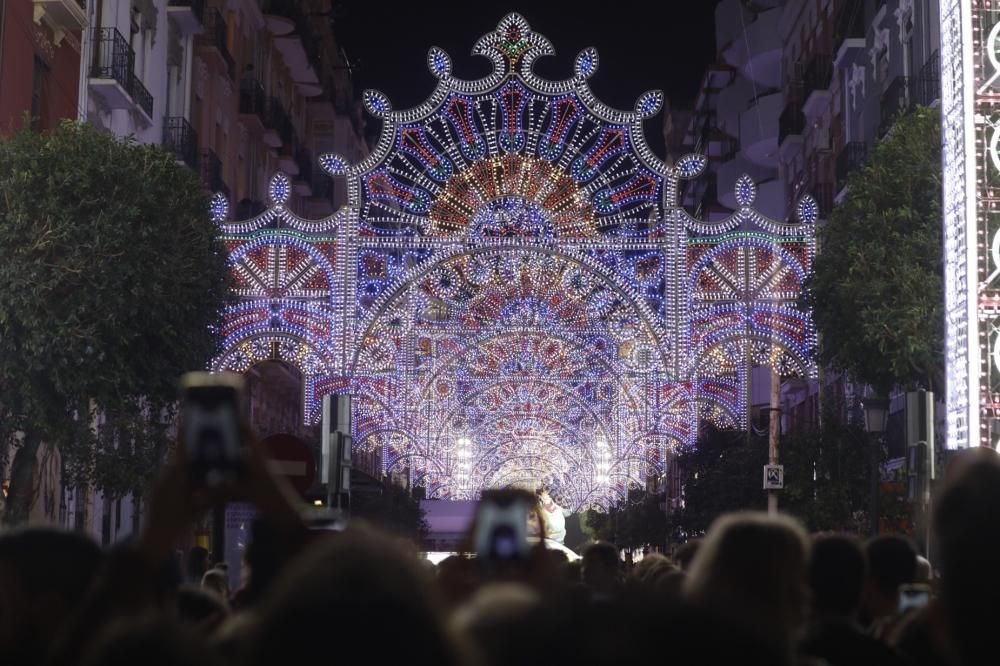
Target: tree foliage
pixel 877 289
pixel 393 510
pixel 111 276
pixel 826 478
pixel 631 523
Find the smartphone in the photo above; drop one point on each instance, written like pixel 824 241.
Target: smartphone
pixel 501 533
pixel 210 421
pixel 913 596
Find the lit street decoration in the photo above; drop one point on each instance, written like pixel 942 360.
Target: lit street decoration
pixel 970 114
pixel 513 294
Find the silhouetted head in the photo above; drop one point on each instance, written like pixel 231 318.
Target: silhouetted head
pixel 44 576
pixel 685 553
pixel 216 581
pixel 751 573
pixel 197 564
pixel 348 585
pixel 837 572
pixel 600 567
pixel 151 640
pixel 892 561
pixel 504 623
pixel 200 608
pixel 967 527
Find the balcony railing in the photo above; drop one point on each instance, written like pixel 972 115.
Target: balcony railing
pixel 818 74
pixel 791 122
pixel 851 158
pixel 211 172
pixel 252 97
pixel 141 96
pixel 926 87
pixel 279 120
pixel 305 163
pixel 292 10
pixel 181 139
pixel 214 36
pixel 113 57
pixel 895 100
pixel 850 24
pixel 197 7
pixel 824 195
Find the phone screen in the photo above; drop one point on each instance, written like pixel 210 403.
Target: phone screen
pixel 210 421
pixel 502 530
pixel 913 596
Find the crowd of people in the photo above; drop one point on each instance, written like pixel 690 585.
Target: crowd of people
pixel 757 589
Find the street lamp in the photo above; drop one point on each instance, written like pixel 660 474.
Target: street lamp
pixel 876 417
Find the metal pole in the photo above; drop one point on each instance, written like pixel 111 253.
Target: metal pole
pixel 874 447
pixel 774 435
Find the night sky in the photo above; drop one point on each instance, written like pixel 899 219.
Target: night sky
pixel 640 48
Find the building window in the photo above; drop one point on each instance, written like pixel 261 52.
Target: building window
pixel 38 92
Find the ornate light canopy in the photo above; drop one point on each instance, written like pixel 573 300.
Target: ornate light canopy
pixel 514 295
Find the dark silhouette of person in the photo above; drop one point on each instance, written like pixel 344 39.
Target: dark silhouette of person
pixel 837 574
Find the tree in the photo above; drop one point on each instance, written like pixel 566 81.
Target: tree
pixel 877 288
pixel 392 509
pixel 722 473
pixel 111 278
pixel 826 478
pixel 630 523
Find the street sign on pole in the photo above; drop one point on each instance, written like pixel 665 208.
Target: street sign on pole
pixel 774 477
pixel 290 457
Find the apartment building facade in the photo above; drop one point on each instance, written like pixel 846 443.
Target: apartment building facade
pixel 235 89
pixel 801 92
pixel 40 52
pixel 851 68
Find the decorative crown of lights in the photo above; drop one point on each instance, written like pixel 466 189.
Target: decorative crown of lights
pixel 513 293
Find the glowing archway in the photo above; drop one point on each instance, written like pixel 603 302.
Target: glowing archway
pixel 514 295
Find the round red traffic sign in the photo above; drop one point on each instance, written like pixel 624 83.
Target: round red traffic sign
pixel 289 456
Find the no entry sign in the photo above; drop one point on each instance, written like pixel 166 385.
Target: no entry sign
pixel 290 457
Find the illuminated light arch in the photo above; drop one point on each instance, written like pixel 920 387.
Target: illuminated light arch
pixel 514 238
pixel 412 279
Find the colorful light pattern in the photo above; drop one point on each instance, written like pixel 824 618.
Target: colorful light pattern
pixel 513 294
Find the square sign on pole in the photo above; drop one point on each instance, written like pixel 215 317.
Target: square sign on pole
pixel 774 477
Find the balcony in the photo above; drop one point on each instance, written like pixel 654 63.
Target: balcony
pixel 279 124
pixel 756 51
pixel 112 75
pixel 849 32
pixel 211 172
pixel 895 101
pixel 851 158
pixel 816 80
pixel 297 42
pixel 791 125
pixel 63 16
pixel 111 71
pixel 279 16
pixel 303 180
pixel 214 38
pixel 187 15
pixel 926 87
pixel 142 97
pixel 759 128
pixel 253 104
pixel 823 194
pixel 181 139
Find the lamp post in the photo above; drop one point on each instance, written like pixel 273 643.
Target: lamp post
pixel 876 416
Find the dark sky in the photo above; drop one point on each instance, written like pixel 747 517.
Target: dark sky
pixel 640 47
